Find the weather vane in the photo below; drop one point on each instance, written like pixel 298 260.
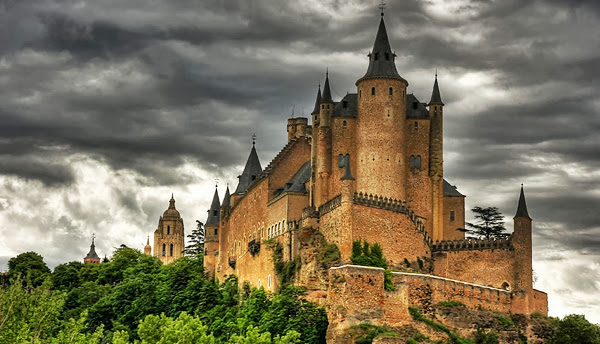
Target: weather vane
pixel 382 7
pixel 253 139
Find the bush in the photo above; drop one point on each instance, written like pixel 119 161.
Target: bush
pixel 483 337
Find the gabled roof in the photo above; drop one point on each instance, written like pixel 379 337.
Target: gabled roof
pixel 381 59
pixel 450 190
pixel 414 108
pixel 436 98
pixel 298 180
pixel 213 218
pixel 92 253
pixel 251 172
pixel 347 107
pixel 522 207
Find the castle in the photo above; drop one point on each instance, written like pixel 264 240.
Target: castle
pixel 370 168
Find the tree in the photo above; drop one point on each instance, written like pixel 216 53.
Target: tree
pixel 66 276
pixel 490 223
pixel 575 328
pixel 196 247
pixel 29 265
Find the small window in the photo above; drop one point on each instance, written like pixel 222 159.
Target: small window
pixel 344 104
pixel 216 231
pixel 253 178
pixel 391 91
pixel 359 94
pixel 372 91
pixel 164 250
pixel 171 250
pixel 341 161
pixel 451 215
pixel 412 161
pixel 344 124
pixel 215 212
pixel 322 106
pixel 418 162
pixel 415 105
pixel 416 125
pixel 327 106
pixel 388 114
pixel 168 229
pixel 387 56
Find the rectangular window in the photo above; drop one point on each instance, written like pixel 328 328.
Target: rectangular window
pixel 451 215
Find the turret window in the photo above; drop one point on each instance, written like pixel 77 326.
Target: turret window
pixel 164 250
pixel 387 56
pixel 216 231
pixel 372 91
pixel 391 91
pixel 376 56
pixel 171 250
pixel 168 229
pixel 215 213
pixel 344 124
pixel 416 125
pixel 415 162
pixel 452 216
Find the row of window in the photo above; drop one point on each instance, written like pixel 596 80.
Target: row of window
pixel 276 229
pixel 164 250
pixel 373 91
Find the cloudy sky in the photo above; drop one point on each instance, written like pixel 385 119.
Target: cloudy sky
pixel 107 107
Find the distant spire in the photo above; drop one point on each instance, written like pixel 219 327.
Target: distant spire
pixel 213 213
pixel 326 90
pixel 148 240
pixel 92 253
pixel 436 98
pixel 522 207
pixel 318 102
pixel 172 202
pixel 381 58
pixel 251 172
pixel 226 201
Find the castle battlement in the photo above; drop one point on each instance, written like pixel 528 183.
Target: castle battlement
pixel 473 244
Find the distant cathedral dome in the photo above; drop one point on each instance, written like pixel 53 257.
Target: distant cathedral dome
pixel 171 212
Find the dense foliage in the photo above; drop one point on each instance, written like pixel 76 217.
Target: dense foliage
pixel 365 254
pixel 134 298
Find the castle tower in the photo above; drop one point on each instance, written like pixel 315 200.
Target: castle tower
pixel 169 237
pixel 211 232
pixel 523 270
pixel 323 143
pixel 314 148
pixel 381 162
pixel 148 248
pixel 251 171
pixel 92 257
pixel 436 161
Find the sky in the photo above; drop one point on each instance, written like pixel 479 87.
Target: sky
pixel 108 107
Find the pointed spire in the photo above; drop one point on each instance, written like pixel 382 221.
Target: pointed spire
pixel 522 207
pixel 381 59
pixel 226 201
pixel 92 253
pixel 251 172
pixel 318 102
pixel 326 91
pixel 213 213
pixel 436 98
pixel 172 202
pixel 148 241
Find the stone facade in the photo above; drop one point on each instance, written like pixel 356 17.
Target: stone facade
pixel 369 167
pixel 169 237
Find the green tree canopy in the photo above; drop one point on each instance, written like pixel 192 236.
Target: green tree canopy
pixel 575 328
pixel 30 266
pixel 489 225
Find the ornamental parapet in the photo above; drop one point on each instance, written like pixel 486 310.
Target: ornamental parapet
pixel 330 205
pixel 473 244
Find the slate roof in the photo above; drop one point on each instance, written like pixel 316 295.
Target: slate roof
pixel 318 101
pixel 522 207
pixel 450 190
pixel 213 218
pixel 251 173
pixel 298 180
pixel 347 107
pixel 92 253
pixel 436 98
pixel 326 91
pixel 414 108
pixel 226 198
pixel 381 58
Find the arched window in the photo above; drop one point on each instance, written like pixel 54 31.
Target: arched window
pixel 283 225
pixel 391 91
pixel 505 286
pixel 418 162
pixel 372 91
pixel 171 250
pixel 344 124
pixel 168 229
pixel 164 250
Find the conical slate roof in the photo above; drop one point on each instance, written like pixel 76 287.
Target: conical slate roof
pixel 251 172
pixel 226 198
pixel 522 207
pixel 436 98
pixel 326 91
pixel 381 59
pixel 318 101
pixel 92 253
pixel 213 213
